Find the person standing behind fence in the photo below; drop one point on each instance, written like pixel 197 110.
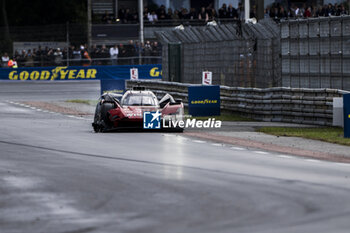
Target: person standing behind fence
pixel 58 56
pixel 4 60
pixel 148 52
pixel 152 17
pixel 203 15
pixel 104 55
pixel 223 13
pixel 87 58
pixel 76 57
pixel 38 57
pixel 122 55
pixel 29 58
pixel 95 55
pixel 12 63
pixel 156 53
pixel 240 12
pixel 232 12
pixel 131 52
pixel 113 52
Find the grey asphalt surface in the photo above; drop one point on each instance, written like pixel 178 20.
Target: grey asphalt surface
pixel 56 175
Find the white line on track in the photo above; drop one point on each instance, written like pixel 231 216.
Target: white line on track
pixel 216 144
pixel 237 148
pixel 343 164
pixel 261 152
pixel 313 160
pixel 198 141
pixel 285 157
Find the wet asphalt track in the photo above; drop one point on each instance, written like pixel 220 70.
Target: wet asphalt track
pixel 56 175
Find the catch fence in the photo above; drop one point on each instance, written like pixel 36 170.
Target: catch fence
pixel 238 54
pixel 316 52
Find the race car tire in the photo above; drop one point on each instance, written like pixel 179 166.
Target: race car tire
pixel 106 122
pixel 97 111
pixel 97 118
pixel 101 118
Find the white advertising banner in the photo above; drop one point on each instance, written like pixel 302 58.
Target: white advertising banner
pixel 207 78
pixel 134 74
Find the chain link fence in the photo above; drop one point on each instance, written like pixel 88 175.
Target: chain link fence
pixel 316 53
pixel 238 54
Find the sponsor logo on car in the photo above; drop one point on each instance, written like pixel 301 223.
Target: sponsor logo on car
pixel 151 120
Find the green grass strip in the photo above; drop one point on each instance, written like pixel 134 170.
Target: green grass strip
pixel 326 134
pixel 79 101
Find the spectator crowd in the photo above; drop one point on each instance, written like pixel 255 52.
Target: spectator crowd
pixel 278 11
pixel 128 54
pixel 209 13
pixel 161 13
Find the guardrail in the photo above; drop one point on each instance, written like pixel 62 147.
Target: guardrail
pixel 280 104
pixel 107 61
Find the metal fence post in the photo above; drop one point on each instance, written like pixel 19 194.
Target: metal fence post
pixel 67 39
pixel 174 62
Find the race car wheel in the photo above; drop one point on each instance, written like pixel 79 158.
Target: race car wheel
pixel 101 118
pixel 105 107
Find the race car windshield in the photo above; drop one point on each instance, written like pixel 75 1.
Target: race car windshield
pixel 139 100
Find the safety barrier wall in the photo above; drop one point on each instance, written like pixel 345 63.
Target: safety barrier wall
pixel 280 104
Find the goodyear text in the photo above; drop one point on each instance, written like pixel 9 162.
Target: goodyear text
pixel 58 73
pixel 155 72
pixel 206 101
